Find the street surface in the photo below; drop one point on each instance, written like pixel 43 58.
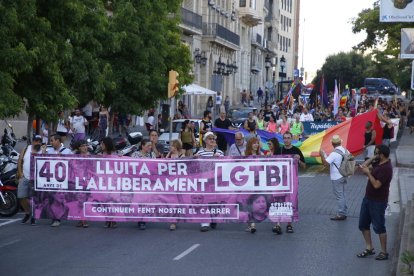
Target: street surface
pixel 319 246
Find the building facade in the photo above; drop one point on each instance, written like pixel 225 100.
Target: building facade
pixel 238 44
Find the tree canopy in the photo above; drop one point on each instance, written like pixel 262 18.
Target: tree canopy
pixel 56 55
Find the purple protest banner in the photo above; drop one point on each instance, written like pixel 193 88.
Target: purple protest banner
pixel 98 188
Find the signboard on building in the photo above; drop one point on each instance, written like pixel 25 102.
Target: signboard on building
pixel 397 11
pixel 412 76
pixel 407 43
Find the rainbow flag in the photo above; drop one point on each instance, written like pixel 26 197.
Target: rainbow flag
pixel 351 132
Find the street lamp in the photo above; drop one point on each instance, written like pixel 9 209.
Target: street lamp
pixel 282 75
pixel 268 64
pixel 197 56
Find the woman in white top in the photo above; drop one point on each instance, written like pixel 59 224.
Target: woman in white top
pixel 176 151
pixel 62 126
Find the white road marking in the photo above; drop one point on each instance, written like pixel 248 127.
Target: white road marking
pixel 8 222
pixel 9 243
pixel 186 252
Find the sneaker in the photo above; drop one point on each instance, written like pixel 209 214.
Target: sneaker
pixel 204 228
pixel 251 228
pixel 33 222
pixel 289 229
pixel 25 219
pixel 277 229
pixel 173 227
pixel 55 223
pixel 141 226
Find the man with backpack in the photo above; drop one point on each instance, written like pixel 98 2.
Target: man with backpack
pixel 337 160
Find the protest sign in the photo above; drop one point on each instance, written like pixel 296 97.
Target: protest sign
pixel 225 189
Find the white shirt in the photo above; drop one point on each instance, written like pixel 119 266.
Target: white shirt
pixel 218 100
pixel 78 123
pixel 306 117
pixel 26 161
pixel 87 110
pixel 61 150
pixel 335 158
pixel 151 120
pixel 61 126
pixel 233 151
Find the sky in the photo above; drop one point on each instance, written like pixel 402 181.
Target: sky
pixel 327 30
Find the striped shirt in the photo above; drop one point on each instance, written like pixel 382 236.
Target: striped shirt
pixel 204 152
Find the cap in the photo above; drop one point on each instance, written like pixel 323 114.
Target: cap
pixel 336 139
pixel 207 135
pixel 37 138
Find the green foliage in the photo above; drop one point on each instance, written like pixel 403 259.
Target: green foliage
pixel 55 55
pixel 408 259
pixel 347 68
pixel 382 42
pixel 150 47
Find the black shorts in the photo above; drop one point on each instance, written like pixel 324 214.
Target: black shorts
pixel 62 134
pixel 187 146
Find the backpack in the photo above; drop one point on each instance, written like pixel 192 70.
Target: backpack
pixel 347 167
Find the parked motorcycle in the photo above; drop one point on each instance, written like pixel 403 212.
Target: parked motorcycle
pixel 134 138
pixel 9 204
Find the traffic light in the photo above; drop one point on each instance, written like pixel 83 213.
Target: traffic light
pixel 173 84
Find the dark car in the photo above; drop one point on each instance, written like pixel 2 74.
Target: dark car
pixel 238 115
pixel 380 86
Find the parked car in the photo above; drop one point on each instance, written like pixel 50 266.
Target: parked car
pixel 380 86
pixel 238 115
pixel 177 125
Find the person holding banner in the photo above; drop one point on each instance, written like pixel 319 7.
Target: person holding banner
pixel 57 148
pixel 144 152
pixel 210 150
pixel 388 130
pixel 108 148
pixel 252 149
pixel 369 143
pixel 274 147
pixel 239 146
pixel 289 149
pixel 25 186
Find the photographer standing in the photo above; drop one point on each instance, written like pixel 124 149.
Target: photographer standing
pixel 379 171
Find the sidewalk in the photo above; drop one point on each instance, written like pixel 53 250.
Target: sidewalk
pixel 405 164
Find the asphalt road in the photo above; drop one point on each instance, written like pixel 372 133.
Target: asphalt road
pixel 318 246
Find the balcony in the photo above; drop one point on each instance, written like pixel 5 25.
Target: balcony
pixel 221 35
pixel 257 40
pixel 250 16
pixel 191 23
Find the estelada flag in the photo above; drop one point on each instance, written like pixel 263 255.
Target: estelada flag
pixel 351 132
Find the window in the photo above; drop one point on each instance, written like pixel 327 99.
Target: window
pixel 242 3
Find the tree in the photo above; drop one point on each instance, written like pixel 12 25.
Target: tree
pixel 383 41
pixel 51 55
pixel 150 47
pixel 347 68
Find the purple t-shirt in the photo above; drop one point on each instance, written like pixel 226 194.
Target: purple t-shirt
pixel 382 173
